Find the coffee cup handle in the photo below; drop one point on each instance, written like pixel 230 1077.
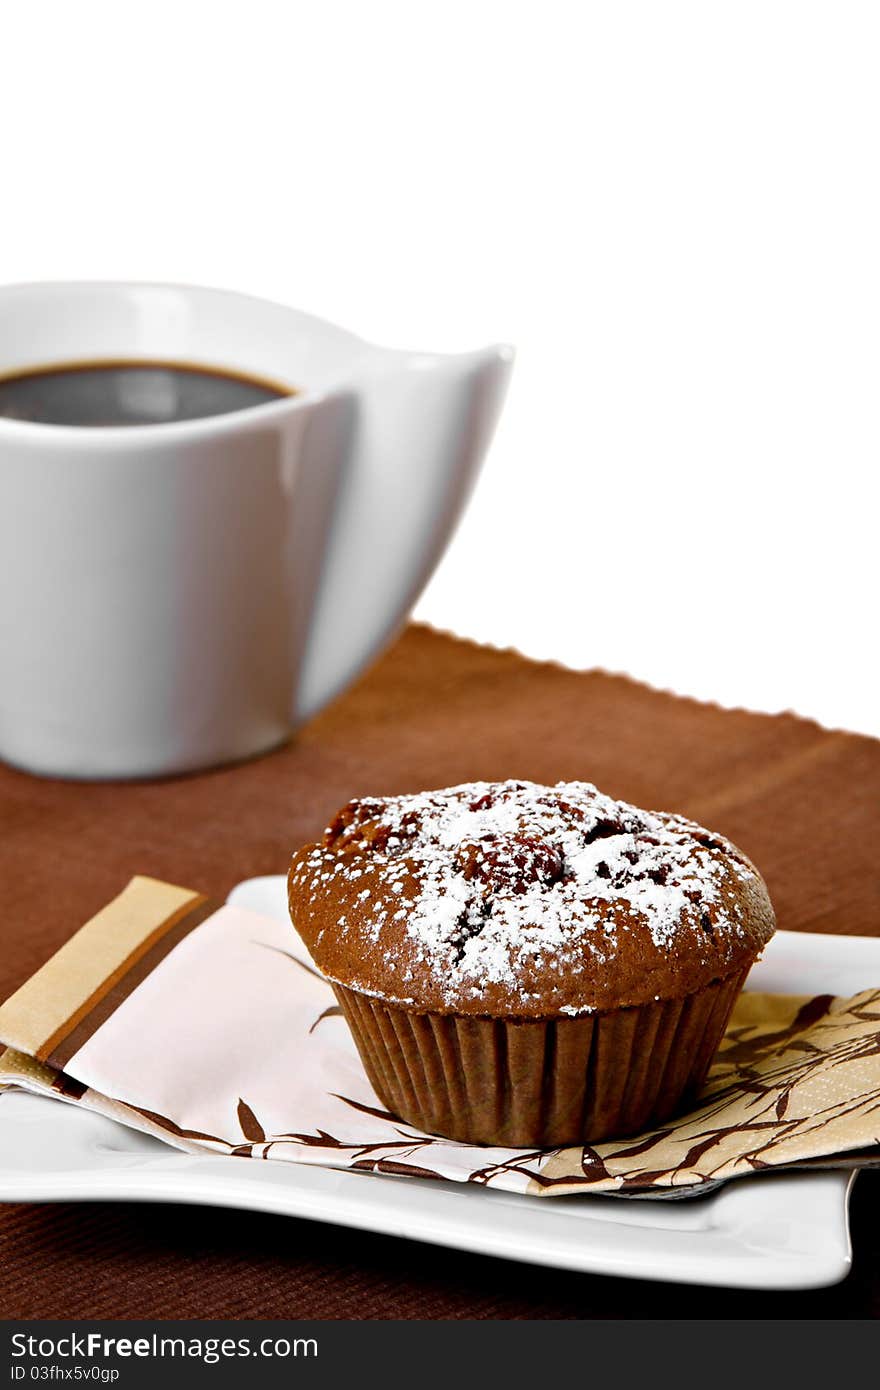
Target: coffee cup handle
pixel 385 470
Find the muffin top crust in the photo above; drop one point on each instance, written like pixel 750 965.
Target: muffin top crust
pixel 516 900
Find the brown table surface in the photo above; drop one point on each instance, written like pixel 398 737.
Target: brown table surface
pixel 802 801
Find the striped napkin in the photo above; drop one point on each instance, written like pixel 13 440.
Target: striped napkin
pixel 208 1027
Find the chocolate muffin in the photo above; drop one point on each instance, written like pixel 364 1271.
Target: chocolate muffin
pixel 528 965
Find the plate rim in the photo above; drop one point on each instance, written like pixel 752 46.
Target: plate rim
pixel 717 1241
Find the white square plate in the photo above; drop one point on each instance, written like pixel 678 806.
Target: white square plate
pixel 775 1231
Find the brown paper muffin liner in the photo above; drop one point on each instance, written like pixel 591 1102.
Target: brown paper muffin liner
pixel 540 1083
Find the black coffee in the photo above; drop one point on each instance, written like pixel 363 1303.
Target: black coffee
pixel 129 393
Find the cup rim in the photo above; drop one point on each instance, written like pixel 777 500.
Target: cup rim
pixel 367 353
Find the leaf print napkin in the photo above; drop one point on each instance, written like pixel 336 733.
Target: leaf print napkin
pixel 208 1027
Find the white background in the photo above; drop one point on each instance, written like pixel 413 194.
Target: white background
pixel 672 209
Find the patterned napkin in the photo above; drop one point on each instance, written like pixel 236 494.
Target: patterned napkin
pixel 209 1028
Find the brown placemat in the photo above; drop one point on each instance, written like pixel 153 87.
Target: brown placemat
pixel 801 801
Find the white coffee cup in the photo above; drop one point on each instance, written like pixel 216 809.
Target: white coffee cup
pixel 175 596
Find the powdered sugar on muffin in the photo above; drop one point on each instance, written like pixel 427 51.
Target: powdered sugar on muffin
pixel 527 897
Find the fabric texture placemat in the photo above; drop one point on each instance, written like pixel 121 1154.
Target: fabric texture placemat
pixel 209 1028
pixel 802 801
